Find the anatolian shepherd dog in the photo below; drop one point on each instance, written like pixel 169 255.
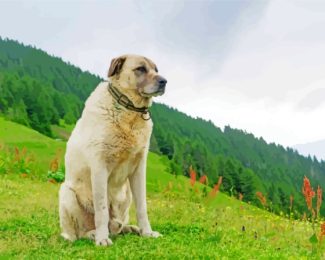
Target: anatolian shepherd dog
pixel 107 152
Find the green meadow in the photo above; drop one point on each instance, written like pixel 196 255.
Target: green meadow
pixel 194 224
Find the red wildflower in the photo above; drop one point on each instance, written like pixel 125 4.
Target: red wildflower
pixel 203 179
pixel 23 152
pixel 319 199
pixel 52 181
pixel 17 155
pixel 216 187
pixel 261 197
pixel 322 230
pixel 54 165
pixel 308 193
pixel 192 176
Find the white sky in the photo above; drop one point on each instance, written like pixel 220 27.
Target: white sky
pixel 253 65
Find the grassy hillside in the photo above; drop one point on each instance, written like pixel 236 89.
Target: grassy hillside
pixel 193 225
pixel 192 229
pixel 247 164
pixel 41 148
pixel 45 93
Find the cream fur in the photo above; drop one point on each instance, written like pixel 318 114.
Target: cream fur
pixel 106 164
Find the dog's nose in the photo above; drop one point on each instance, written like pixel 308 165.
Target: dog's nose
pixel 161 82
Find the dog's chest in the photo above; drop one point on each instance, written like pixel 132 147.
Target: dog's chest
pixel 125 141
pixel 123 168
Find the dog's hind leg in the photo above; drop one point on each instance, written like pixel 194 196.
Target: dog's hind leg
pixel 66 218
pixel 73 218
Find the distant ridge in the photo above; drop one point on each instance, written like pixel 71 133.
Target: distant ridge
pixel 316 149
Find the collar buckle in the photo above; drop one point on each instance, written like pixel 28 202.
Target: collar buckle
pixel 123 100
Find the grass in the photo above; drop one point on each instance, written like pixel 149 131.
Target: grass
pixel 192 225
pixel 42 147
pixel 62 131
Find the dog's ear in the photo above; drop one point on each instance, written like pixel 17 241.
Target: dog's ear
pixel 116 66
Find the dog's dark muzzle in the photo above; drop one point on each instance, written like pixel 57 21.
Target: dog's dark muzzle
pixel 161 82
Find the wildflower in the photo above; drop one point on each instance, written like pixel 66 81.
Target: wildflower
pixel 169 186
pixel 54 165
pixel 28 159
pixel 308 193
pixel 322 230
pixel 203 179
pixel 192 176
pixel 219 181
pixel 216 187
pixel 304 217
pixel 261 197
pixel 17 155
pixel 291 202
pixel 313 213
pixel 23 152
pixel 52 181
pixel 319 199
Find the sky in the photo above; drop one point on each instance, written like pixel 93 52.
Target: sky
pixel 254 65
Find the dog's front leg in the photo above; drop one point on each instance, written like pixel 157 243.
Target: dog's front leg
pixel 138 188
pixel 99 177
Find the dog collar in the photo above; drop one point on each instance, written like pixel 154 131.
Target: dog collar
pixel 124 101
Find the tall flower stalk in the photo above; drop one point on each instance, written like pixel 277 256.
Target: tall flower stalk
pixel 319 200
pixel 309 194
pixel 261 198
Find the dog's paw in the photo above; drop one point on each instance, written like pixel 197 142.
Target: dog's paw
pixel 104 242
pixel 154 234
pixel 115 226
pixel 131 229
pixel 91 235
pixel 68 237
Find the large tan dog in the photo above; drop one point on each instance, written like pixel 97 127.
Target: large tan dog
pixel 107 152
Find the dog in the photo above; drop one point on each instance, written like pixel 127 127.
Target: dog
pixel 106 155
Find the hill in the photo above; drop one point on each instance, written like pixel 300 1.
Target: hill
pixel 41 147
pixel 193 224
pixel 247 164
pixel 40 91
pixel 37 89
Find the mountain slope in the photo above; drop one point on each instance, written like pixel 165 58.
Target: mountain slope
pixel 312 149
pixel 235 154
pixel 39 90
pixel 193 225
pixel 41 147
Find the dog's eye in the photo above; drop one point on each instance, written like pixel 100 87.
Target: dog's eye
pixel 141 69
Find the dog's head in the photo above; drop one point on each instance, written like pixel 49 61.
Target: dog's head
pixel 137 73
